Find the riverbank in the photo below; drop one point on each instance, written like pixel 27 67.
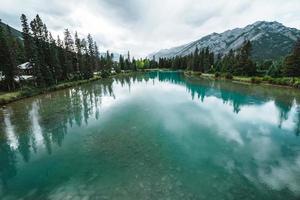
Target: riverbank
pixel 279 82
pixel 9 97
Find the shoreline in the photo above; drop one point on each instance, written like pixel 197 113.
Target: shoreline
pixel 239 80
pixel 10 97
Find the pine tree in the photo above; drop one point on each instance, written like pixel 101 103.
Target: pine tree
pixel 6 61
pixel 61 59
pixel 244 65
pixel 38 58
pixel 196 60
pixel 291 66
pixel 91 52
pixel 47 69
pixel 97 57
pixel 78 49
pixel 121 62
pixel 27 38
pixel 87 70
pixel 54 60
pixel 128 62
pixel 69 67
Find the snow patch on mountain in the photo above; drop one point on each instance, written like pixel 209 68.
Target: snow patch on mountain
pixel 269 39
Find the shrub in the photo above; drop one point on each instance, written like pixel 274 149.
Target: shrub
pixel 217 74
pixel 228 76
pixel 198 73
pixel 27 91
pixel 266 78
pixel 255 80
pixel 105 74
pixel 296 84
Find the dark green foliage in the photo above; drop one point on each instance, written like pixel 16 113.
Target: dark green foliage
pixel 228 76
pixel 256 80
pixel 291 66
pixel 244 66
pixel 217 74
pixel 121 63
pixel 105 73
pixel 7 59
pixel 275 70
pixel 53 60
pixel 27 38
pixel 237 63
pixel 201 61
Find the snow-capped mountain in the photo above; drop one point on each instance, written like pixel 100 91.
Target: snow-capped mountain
pixel 269 40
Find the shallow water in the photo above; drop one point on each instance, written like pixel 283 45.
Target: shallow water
pixel 153 136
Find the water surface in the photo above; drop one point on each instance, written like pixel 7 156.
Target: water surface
pixel 153 136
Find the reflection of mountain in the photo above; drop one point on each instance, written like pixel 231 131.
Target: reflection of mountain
pixel 45 120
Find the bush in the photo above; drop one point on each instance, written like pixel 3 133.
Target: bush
pixel 118 70
pixel 284 81
pixel 228 76
pixel 217 74
pixel 105 74
pixel 255 80
pixel 266 78
pixel 296 84
pixel 27 91
pixel 198 73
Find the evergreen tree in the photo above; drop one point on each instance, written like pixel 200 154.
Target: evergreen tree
pixel 61 59
pixel 79 57
pixel 91 52
pixel 196 60
pixel 121 62
pixel 97 57
pixel 38 59
pixel 292 62
pixel 7 63
pixel 244 65
pixel 55 64
pixel 27 38
pixel 87 70
pixel 69 66
pixel 128 62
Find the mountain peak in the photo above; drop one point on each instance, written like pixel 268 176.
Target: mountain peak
pixel 270 40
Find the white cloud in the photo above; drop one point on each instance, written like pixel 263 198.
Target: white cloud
pixel 146 26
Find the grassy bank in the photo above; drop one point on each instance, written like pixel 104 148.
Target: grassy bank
pixel 266 80
pixel 9 97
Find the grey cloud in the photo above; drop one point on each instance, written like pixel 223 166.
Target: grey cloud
pixel 11 19
pixel 127 11
pixel 145 26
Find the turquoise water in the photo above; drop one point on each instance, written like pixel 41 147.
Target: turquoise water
pixel 158 135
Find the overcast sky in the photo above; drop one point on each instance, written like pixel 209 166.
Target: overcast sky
pixel 146 26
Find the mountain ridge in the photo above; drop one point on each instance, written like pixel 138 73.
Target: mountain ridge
pixel 14 31
pixel 270 40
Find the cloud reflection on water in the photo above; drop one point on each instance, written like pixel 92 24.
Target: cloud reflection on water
pixel 246 122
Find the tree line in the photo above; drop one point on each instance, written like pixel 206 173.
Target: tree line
pixel 53 60
pixel 74 58
pixel 237 63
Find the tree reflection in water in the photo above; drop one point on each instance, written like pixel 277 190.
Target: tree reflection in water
pixel 44 120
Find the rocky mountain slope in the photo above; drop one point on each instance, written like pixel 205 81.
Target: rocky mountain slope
pixel 270 40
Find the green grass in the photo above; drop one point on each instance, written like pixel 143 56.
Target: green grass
pixel 8 97
pixel 267 80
